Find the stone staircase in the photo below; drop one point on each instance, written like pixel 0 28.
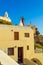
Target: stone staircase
pixel 6 60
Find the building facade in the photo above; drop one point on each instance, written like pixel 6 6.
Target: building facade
pixel 18 42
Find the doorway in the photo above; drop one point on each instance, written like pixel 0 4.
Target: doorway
pixel 20 54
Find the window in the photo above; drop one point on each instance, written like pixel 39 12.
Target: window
pixel 16 35
pixel 26 34
pixel 27 47
pixel 10 51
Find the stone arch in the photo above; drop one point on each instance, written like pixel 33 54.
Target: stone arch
pixel 37 61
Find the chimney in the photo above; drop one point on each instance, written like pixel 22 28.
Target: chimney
pixel 21 22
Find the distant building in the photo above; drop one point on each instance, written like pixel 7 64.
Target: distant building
pixel 18 41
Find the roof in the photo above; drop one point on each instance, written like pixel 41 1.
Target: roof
pixel 5 19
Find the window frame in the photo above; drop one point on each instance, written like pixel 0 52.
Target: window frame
pixel 27 47
pixel 16 35
pixel 11 51
pixel 26 35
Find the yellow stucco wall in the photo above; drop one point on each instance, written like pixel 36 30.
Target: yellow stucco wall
pixel 7 41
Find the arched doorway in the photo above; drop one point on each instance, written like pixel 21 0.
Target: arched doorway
pixel 36 61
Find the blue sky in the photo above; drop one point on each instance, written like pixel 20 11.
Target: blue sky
pixel 31 10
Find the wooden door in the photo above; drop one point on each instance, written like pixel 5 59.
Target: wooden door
pixel 20 54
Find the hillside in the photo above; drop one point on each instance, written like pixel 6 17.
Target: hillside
pixel 39 39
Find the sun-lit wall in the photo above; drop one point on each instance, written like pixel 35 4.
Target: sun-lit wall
pixel 7 41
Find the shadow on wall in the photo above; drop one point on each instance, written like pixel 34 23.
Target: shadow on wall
pixel 29 62
pixel 33 61
pixel 36 61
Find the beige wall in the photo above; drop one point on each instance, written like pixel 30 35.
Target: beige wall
pixel 7 40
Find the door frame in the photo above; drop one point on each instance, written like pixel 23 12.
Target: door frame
pixel 21 58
